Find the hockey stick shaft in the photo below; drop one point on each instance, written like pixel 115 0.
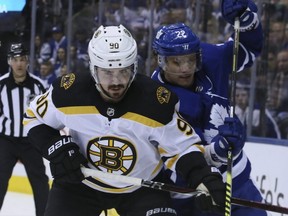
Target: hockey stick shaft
pixel 171 188
pixel 228 191
pixel 259 205
pixel 139 182
pixel 234 65
pixel 228 194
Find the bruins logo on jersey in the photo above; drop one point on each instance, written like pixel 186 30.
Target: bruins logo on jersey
pixel 163 95
pixel 67 80
pixel 112 154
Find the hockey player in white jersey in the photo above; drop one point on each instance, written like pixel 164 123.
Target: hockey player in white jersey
pixel 199 74
pixel 121 123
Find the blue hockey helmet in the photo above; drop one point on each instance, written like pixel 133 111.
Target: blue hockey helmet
pixel 177 39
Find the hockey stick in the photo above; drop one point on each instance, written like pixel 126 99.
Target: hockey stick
pixel 139 182
pixel 234 65
pixel 232 113
pixel 172 188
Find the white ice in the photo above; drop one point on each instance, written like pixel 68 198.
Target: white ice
pixel 18 204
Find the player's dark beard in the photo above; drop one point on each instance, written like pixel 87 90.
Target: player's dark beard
pixel 116 95
pixel 116 86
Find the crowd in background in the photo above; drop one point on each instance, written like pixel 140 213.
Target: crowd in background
pixel 267 114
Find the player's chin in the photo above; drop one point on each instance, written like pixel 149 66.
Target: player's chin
pixel 116 94
pixel 185 82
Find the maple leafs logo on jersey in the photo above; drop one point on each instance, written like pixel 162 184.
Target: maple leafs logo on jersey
pixel 163 95
pixel 217 116
pixel 67 80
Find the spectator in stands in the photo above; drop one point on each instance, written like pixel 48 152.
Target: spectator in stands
pixel 42 51
pixel 81 41
pixel 277 36
pixel 158 12
pixel 60 60
pixel 79 63
pixel 277 101
pixel 78 50
pixel 46 73
pixel 242 102
pixel 58 40
pixel 38 44
pixel 278 96
pixel 271 128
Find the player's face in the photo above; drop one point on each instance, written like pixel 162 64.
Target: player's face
pixel 180 70
pixel 19 66
pixel 241 98
pixel 114 82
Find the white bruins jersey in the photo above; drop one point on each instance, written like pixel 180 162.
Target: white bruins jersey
pixel 125 138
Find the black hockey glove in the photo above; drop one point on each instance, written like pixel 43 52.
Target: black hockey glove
pixel 231 133
pixel 210 181
pixel 203 177
pixel 65 160
pixel 246 10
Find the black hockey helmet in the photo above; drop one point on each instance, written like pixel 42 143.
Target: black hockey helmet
pixel 17 49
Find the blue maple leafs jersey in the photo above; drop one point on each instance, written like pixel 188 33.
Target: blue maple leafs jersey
pixel 205 105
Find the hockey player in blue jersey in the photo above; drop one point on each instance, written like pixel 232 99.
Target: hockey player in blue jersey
pixel 199 74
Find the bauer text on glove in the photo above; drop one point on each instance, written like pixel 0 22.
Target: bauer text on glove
pixel 65 160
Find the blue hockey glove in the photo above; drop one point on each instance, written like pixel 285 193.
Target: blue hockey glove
pixel 231 133
pixel 65 160
pixel 246 10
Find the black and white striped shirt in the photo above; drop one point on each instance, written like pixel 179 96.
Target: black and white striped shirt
pixel 14 101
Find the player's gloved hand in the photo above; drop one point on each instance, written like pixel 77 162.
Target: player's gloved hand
pixel 210 181
pixel 65 160
pixel 231 133
pixel 246 10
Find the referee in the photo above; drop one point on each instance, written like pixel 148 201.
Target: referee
pixel 17 88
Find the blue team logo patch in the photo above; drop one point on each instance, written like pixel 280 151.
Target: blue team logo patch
pixel 67 80
pixel 163 95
